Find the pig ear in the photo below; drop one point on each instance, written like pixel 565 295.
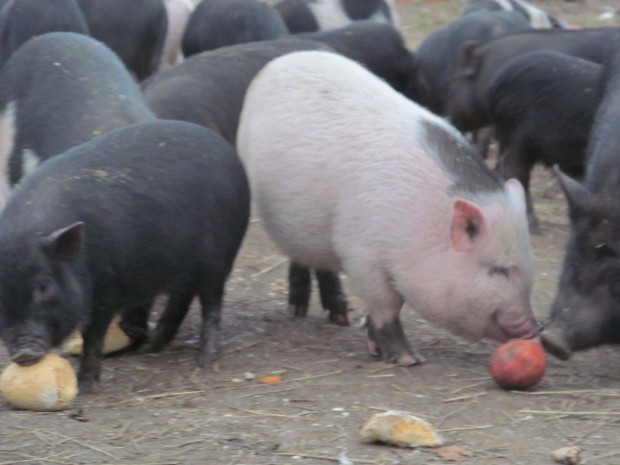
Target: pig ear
pixel 467 225
pixel 65 243
pixel 469 60
pixel 579 198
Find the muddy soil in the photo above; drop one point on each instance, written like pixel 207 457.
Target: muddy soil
pixel 161 410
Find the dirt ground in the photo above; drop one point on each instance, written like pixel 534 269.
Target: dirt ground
pixel 161 410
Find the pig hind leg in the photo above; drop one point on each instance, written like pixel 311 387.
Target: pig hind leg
pixel 211 295
pixel 300 286
pixel 134 323
pixel 333 297
pixel 168 324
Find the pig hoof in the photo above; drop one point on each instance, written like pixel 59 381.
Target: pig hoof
pixel 299 311
pixel 88 387
pixel 339 318
pixel 407 360
pixel 207 361
pixel 535 226
pixel 150 347
pixel 373 348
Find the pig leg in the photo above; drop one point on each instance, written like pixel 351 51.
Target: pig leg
pixel 92 351
pixel 389 342
pixel 299 289
pixel 134 323
pixel 514 163
pixel 210 329
pixel 211 296
pixel 386 337
pixel 170 320
pixel 333 297
pixel 482 139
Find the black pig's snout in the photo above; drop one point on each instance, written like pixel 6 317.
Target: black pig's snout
pixel 27 356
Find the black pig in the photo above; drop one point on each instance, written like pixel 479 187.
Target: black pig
pixel 208 88
pixel 466 95
pixel 378 46
pixel 220 23
pixel 136 30
pixel 147 209
pixel 57 91
pixel 320 15
pixel 539 19
pixel 542 105
pixel 438 54
pixel 586 309
pixel 21 20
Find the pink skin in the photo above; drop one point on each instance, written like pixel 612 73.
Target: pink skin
pixel 178 12
pixel 505 326
pixel 343 178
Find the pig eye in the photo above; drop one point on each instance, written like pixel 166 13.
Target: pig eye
pixel 44 290
pixel 604 251
pixel 499 270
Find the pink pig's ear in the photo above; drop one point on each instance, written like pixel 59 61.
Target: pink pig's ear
pixel 467 225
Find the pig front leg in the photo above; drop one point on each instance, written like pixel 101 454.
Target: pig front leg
pixel 92 350
pixel 374 285
pixel 389 342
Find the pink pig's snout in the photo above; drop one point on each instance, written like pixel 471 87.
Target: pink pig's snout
pixel 506 325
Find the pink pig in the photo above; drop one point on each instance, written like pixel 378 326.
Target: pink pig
pixel 178 13
pixel 347 174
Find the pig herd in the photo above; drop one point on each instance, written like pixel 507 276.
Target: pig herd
pixel 134 135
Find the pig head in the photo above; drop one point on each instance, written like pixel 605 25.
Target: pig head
pixel 586 310
pixel 44 308
pixel 486 270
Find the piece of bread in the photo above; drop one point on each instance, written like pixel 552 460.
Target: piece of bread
pixel 48 385
pixel 115 339
pixel 400 429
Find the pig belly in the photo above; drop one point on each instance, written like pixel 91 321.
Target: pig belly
pixel 300 223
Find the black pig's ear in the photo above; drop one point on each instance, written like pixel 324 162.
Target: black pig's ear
pixel 579 198
pixel 65 243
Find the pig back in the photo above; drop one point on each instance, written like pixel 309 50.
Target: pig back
pixel 66 89
pixel 339 151
pixel 154 197
pixel 208 88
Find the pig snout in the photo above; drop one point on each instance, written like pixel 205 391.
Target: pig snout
pixel 513 325
pixel 28 356
pixel 555 344
pixel 27 349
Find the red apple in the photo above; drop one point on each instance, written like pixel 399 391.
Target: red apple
pixel 518 364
